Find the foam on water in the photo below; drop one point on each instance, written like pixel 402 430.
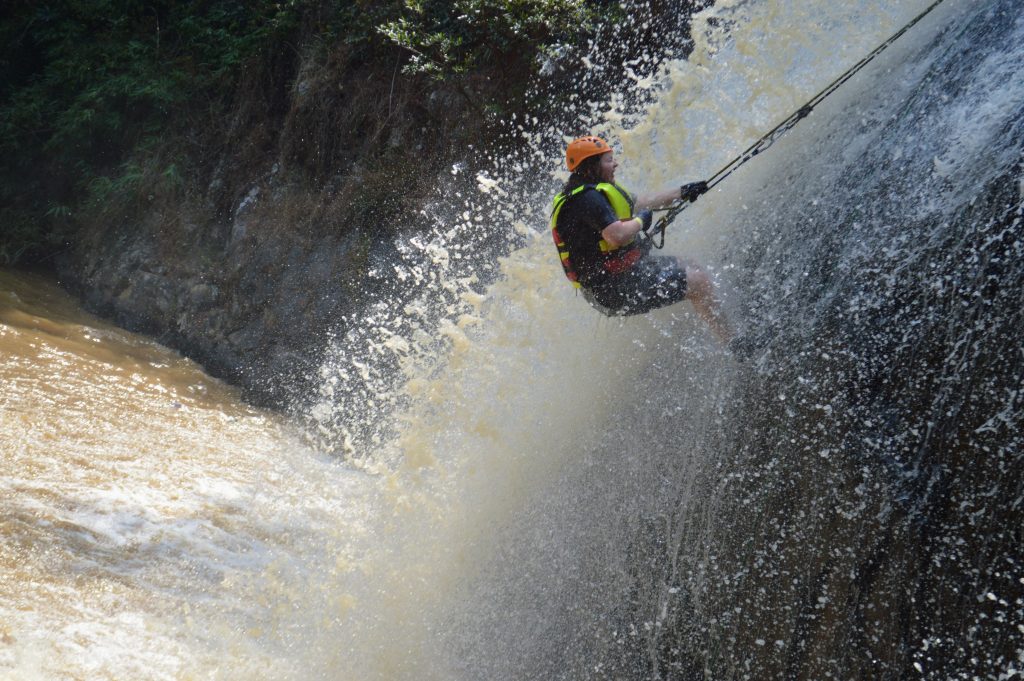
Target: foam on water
pixel 154 526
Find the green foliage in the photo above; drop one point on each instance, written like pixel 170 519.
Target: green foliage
pixel 18 238
pixel 86 84
pixel 98 96
pixel 101 65
pixel 458 37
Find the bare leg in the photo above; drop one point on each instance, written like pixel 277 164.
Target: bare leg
pixel 701 292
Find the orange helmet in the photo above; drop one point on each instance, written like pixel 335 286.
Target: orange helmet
pixel 582 148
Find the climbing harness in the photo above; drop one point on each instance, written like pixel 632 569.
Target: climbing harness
pixel 781 129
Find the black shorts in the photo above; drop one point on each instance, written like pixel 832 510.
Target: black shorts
pixel 654 282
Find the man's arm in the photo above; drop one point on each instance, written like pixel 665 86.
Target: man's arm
pixel 666 198
pixel 621 232
pixel 658 200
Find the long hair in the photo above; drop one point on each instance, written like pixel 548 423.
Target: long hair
pixel 587 172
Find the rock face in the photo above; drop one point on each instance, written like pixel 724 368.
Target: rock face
pixel 251 303
pixel 249 320
pixel 864 519
pixel 250 269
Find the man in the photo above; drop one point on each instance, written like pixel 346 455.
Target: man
pixel 596 224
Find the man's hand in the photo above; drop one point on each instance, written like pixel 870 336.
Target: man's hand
pixel 690 192
pixel 646 218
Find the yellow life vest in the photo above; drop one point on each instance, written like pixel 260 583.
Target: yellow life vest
pixel 616 259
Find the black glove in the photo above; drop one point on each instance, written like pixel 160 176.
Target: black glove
pixel 646 217
pixel 690 192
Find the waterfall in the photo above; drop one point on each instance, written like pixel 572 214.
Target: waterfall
pixel 623 499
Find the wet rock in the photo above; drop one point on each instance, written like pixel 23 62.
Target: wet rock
pixel 203 295
pixel 246 339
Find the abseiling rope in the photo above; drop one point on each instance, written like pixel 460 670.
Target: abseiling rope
pixel 785 126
